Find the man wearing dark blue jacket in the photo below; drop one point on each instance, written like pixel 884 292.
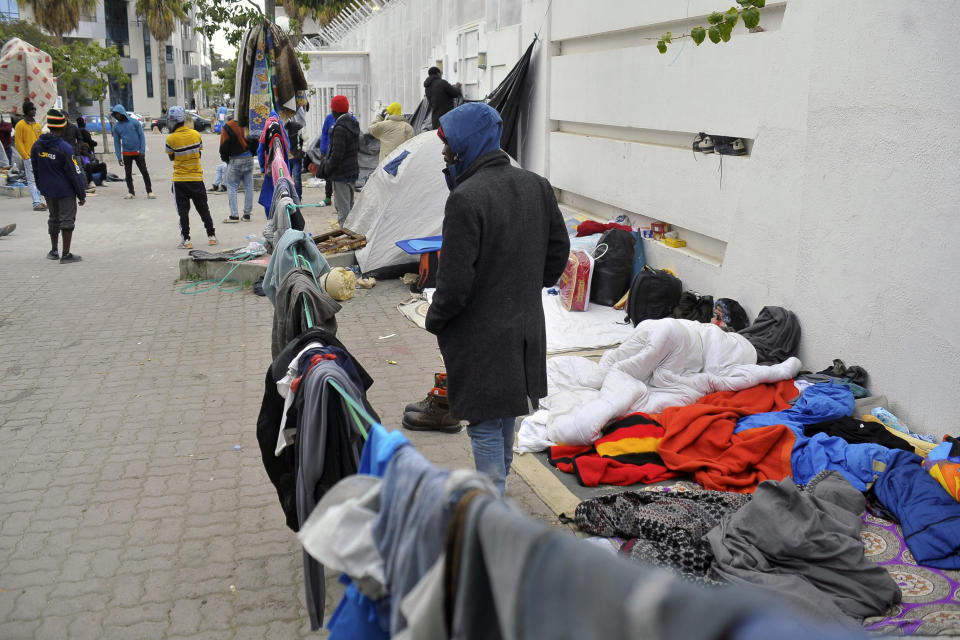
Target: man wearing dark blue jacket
pixel 504 239
pixel 60 181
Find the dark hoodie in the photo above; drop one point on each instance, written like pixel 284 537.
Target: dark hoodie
pixel 504 239
pixel 57 174
pixel 343 164
pixel 440 94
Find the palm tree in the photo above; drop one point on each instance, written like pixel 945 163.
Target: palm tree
pixel 59 17
pixel 161 17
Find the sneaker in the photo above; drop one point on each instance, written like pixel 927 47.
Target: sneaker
pixel 230 219
pixel 91 189
pixel 7 230
pixel 223 188
pixel 185 244
pixel 214 189
pixel 246 218
pixel 91 194
pixel 703 143
pixel 53 255
pixel 326 202
pixel 70 257
pixel 129 196
pixel 151 196
pixel 212 240
pixel 39 207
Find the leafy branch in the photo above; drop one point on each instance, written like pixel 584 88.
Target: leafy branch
pixel 720 24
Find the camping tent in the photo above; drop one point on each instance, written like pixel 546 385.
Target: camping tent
pixel 408 204
pixel 403 198
pixel 26 73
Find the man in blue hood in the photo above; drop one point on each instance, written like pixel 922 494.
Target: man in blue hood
pixel 504 239
pixel 129 144
pixel 61 183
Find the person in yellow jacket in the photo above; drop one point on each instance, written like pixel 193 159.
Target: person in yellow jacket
pixel 27 132
pixel 183 148
pixel 391 129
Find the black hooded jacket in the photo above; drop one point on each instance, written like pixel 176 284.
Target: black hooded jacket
pixel 343 164
pixel 440 94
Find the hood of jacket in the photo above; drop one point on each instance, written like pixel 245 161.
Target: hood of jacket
pixel 349 123
pixel 471 131
pixel 430 80
pixel 119 109
pixel 50 142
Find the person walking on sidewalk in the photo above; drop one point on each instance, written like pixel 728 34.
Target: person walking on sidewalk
pixel 328 123
pixel 60 180
pixel 391 129
pixel 343 164
pixel 504 239
pixel 129 145
pixel 239 159
pixel 25 134
pixel 183 148
pixel 440 94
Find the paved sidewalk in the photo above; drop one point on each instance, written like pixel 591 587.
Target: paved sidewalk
pixel 126 510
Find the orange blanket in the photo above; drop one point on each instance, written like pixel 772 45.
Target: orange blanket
pixel 699 438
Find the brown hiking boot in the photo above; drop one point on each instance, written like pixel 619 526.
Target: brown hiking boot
pixel 435 416
pixel 439 389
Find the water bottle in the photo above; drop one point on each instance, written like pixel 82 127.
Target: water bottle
pixel 254 238
pixel 889 419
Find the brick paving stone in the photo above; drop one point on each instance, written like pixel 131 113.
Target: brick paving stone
pixel 125 510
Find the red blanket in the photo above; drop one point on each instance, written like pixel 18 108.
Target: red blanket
pixel 626 454
pixel 699 438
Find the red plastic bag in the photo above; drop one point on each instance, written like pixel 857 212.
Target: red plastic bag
pixel 575 282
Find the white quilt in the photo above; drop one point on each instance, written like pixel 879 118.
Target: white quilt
pixel 664 363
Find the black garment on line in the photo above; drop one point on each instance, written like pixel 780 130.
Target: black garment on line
pixel 141 167
pixel 185 193
pixel 282 469
pixel 857 431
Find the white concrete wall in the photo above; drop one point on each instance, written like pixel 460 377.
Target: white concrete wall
pixel 845 209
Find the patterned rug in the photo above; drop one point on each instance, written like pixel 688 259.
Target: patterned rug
pixel 931 597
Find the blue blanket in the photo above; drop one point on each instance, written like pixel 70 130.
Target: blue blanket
pixel 858 463
pixel 930 517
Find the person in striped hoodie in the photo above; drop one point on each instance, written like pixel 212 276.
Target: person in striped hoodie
pixel 183 148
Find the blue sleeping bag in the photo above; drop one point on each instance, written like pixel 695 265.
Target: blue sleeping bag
pixel 930 517
pixel 858 463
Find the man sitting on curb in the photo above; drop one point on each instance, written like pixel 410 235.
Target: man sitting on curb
pixel 60 181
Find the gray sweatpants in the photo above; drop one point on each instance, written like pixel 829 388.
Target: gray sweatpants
pixel 342 199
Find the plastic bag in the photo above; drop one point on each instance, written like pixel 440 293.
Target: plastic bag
pixel 575 282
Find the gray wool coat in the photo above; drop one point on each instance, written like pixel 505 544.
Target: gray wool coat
pixel 504 239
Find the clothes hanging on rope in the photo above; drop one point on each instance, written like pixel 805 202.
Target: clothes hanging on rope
pixel 297 298
pixel 455 561
pixel 294 249
pixel 269 77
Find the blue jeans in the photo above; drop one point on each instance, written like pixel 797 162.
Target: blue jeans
pixel 241 168
pixel 219 179
pixel 492 442
pixel 31 182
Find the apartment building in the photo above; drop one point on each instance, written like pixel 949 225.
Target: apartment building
pixel 115 23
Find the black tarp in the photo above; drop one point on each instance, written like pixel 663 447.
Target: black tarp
pixel 509 97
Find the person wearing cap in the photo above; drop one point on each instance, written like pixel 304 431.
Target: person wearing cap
pixel 60 180
pixel 440 94
pixel 183 148
pixel 25 134
pixel 504 239
pixel 391 129
pixel 130 145
pixel 342 166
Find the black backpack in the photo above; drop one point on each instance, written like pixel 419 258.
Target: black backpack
pixel 653 295
pixel 612 267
